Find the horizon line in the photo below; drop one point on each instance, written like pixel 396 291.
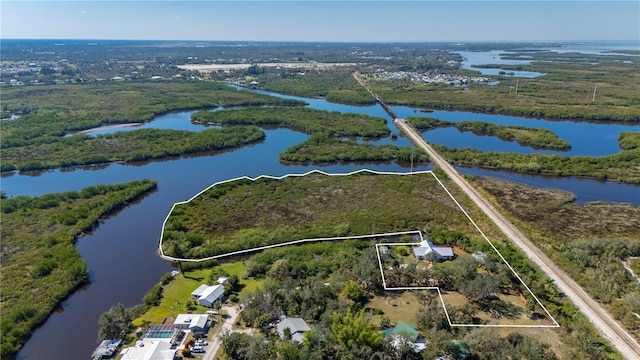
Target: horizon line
pixel 331 41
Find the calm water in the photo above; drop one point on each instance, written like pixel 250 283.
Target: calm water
pixel 471 58
pixel 121 252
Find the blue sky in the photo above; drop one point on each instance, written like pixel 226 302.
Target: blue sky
pixel 342 21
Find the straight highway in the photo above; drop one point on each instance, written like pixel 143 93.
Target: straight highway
pixel 599 317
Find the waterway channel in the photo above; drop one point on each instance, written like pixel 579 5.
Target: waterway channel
pixel 121 252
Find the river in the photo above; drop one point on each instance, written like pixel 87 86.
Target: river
pixel 121 252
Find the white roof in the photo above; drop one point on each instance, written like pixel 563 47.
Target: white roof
pixel 422 251
pixel 222 279
pixel 444 251
pixel 147 349
pixel 212 293
pixel 198 292
pixel 199 321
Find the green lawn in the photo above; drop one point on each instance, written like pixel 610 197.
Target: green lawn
pixel 178 291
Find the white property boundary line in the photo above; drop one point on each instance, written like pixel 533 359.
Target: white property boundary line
pixel 302 241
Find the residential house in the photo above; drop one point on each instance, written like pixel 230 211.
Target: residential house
pixel 149 349
pixel 296 326
pixel 206 295
pixel 197 323
pixel 441 252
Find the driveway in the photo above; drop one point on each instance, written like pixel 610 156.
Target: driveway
pixel 227 327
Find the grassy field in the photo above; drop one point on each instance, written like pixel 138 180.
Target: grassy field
pixel 397 306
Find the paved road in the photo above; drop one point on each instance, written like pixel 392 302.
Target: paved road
pixel 227 326
pixel 602 320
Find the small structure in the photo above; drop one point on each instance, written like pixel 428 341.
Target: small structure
pixel 404 333
pixel 441 252
pixel 206 295
pixel 222 279
pixel 106 349
pixel 296 326
pixel 197 323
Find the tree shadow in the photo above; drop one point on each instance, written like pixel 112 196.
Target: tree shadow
pixel 501 308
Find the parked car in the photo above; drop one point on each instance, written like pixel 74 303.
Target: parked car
pixel 197 348
pixel 201 343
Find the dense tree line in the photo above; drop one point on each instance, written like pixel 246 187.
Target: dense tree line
pixel 39 256
pixel 304 120
pixel 323 149
pixel 29 141
pixel 128 146
pixel 618 167
pixel 525 136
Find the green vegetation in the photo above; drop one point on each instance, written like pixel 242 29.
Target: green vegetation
pixel 317 280
pixel 622 166
pixel 323 149
pixel 336 85
pixel 250 214
pixel 537 138
pixel 525 136
pixel 336 287
pixel 50 112
pixel 129 146
pixel 589 241
pixel 426 123
pixel 634 264
pixel 38 253
pixel 304 120
pixel 565 92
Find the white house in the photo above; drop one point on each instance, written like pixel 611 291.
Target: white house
pixel 207 295
pixel 149 349
pixel 197 323
pixel 441 252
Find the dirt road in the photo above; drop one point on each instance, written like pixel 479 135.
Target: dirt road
pixel 600 318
